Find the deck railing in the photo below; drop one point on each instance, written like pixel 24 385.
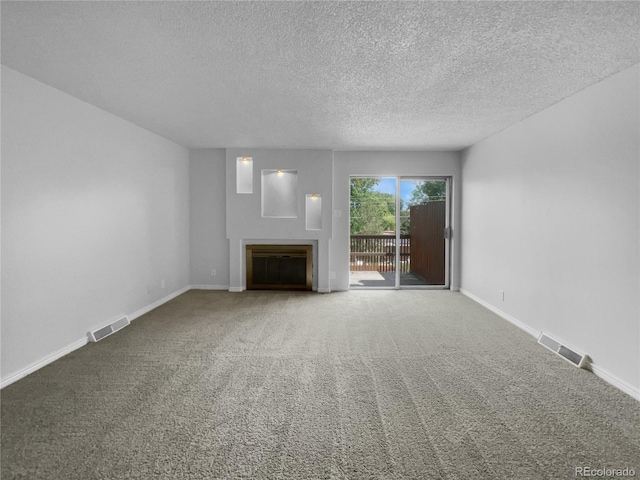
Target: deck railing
pixel 377 253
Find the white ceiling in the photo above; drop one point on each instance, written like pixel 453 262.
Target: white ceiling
pixel 341 75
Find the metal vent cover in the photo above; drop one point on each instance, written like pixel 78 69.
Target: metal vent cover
pixel 101 333
pixel 549 342
pixel 120 323
pixel 569 355
pixel 97 335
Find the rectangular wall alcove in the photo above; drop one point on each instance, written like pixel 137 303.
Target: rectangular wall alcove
pixel 244 175
pixel 313 211
pixel 280 193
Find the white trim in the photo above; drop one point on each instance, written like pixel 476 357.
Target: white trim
pixel 236 289
pixel 43 362
pixel 157 303
pixel 324 290
pixel 47 359
pixel 600 372
pixel 617 382
pixel 502 314
pixel 209 287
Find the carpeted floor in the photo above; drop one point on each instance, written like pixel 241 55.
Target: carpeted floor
pixel 286 385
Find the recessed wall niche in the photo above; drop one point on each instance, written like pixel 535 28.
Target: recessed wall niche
pixel 244 175
pixel 313 211
pixel 280 193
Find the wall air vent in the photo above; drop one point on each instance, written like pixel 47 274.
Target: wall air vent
pixel 574 358
pixel 113 327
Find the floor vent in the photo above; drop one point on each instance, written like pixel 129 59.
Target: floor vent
pixel 113 327
pixel 569 355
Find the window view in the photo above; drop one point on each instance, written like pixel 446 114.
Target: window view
pixel 373 232
pixel 421 219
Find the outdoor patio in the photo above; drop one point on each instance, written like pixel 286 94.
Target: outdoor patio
pixel 383 279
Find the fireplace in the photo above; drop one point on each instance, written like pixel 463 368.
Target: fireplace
pixel 279 267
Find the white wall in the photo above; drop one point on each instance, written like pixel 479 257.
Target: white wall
pixel 389 164
pixel 244 212
pixel 208 192
pixel 95 214
pixel 550 215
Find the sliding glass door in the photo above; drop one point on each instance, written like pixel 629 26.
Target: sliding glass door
pixel 373 232
pixel 423 230
pixel 399 232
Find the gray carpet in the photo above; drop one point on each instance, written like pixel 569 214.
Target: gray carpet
pixel 286 385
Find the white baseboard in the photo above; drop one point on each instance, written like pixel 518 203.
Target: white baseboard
pixel 47 359
pixel 608 377
pixel 620 384
pixel 209 287
pixel 324 290
pixel 43 362
pixel 236 289
pixel 502 314
pixel 157 303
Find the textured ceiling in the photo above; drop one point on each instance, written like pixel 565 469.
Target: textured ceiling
pixel 342 75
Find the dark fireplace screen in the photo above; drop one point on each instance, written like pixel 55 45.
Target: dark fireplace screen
pixel 283 267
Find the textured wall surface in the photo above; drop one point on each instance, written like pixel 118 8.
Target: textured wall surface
pixel 344 75
pixel 552 220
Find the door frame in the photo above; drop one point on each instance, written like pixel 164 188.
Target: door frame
pixel 447 248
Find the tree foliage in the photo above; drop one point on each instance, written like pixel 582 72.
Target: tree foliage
pixel 372 212
pixel 428 191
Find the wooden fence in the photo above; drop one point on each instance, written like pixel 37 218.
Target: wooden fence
pixel 377 253
pixel 427 237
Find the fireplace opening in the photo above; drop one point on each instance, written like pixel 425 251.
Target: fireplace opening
pixel 279 267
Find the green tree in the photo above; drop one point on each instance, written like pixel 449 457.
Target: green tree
pixel 405 222
pixel 428 191
pixel 360 190
pixel 371 212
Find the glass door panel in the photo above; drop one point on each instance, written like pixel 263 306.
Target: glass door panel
pixel 423 223
pixel 372 258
